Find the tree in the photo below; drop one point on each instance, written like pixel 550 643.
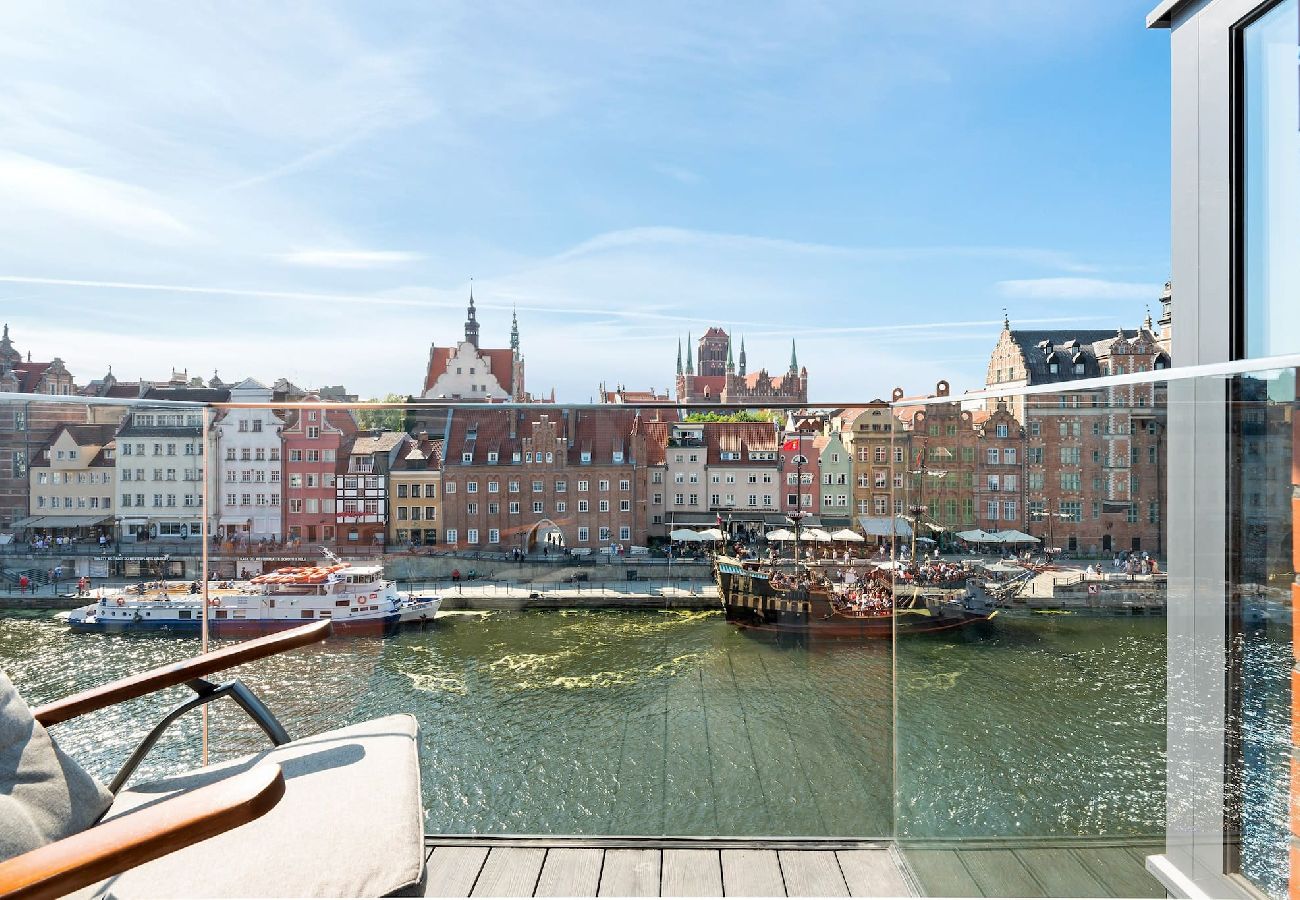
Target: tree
pixel 742 415
pixel 383 419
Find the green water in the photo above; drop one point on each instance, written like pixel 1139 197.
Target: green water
pixel 675 723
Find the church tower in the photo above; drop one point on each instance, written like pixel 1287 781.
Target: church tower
pixel 471 323
pixel 742 357
pixel 9 357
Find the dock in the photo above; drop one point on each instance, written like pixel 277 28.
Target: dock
pixel 540 866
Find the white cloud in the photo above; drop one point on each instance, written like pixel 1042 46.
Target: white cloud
pixel 1077 289
pixel 63 196
pixel 350 259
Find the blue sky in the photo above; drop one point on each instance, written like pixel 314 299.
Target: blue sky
pixel 306 189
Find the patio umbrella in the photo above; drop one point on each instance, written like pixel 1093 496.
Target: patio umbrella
pixel 781 534
pixel 847 534
pixel 712 534
pixel 818 534
pixel 1018 537
pixel 685 534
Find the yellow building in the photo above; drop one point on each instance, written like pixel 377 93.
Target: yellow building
pixel 415 495
pixel 71 484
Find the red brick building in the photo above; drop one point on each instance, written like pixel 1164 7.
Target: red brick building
pixel 315 440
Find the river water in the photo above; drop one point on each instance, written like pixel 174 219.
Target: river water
pixel 673 722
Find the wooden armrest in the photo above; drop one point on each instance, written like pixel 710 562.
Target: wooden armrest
pixel 137 837
pixel 179 673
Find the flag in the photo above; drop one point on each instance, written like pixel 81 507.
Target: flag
pixel 719 520
pixel 791 445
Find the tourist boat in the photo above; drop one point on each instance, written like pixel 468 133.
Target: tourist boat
pixel 802 601
pixel 356 598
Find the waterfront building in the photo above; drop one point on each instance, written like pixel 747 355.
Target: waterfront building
pixel 414 484
pixel 940 461
pixel 743 464
pixel 27 426
pixel 999 473
pixel 467 372
pixel 315 440
pixel 719 380
pixel 361 486
pixel 248 444
pixel 513 480
pixel 1095 459
pixel 875 438
pixel 72 483
pixel 159 466
pixel 654 434
pixel 835 468
pixel 799 491
pixel 685 463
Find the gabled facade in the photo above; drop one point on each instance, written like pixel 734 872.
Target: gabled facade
pixel 72 482
pixel 469 373
pixel 361 488
pixel 799 491
pixel 414 486
pixel 315 440
pixel 835 466
pixel 248 444
pixel 744 472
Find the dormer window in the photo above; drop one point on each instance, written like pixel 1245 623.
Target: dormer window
pixel 516 456
pixel 586 456
pixel 618 456
pixel 467 457
pixel 492 456
pixel 1078 368
pixel 1053 368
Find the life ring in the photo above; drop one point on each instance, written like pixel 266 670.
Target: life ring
pixel 121 602
pixel 215 601
pixel 374 596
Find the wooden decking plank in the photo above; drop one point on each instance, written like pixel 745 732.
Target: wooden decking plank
pixel 509 872
pixel 1060 874
pixel 630 873
pixel 751 873
pixel 1000 874
pixel 812 873
pixel 691 873
pixel 570 872
pixel 941 873
pixel 872 873
pixel 1118 872
pixel 453 870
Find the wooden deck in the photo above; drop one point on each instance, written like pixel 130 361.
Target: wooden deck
pixel 483 866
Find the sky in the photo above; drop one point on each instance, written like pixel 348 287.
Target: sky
pixel 305 190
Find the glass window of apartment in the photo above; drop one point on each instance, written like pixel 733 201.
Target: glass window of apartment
pixel 1270 145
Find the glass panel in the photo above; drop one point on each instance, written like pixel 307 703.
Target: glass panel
pixel 1261 583
pixel 1272 190
pixel 1030 640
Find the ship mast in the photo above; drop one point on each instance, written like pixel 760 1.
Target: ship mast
pixel 797 516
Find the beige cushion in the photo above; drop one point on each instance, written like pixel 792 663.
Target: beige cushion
pixel 44 794
pixel 351 824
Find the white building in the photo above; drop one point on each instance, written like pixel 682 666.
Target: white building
pixel 247 451
pixel 159 467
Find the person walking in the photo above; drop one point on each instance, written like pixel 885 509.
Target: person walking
pixel 23 582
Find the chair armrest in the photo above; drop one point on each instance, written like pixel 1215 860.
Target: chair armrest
pixel 138 837
pixel 179 673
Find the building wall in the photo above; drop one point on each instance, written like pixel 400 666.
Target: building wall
pixel 416 501
pixel 248 447
pixel 310 463
pixel 63 481
pixel 835 474
pixel 25 426
pixel 469 376
pixel 159 470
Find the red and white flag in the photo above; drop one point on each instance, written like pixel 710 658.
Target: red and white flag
pixel 791 445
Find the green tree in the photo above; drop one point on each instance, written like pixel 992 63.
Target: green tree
pixel 383 419
pixel 743 415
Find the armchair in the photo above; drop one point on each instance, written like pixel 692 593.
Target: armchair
pixel 335 814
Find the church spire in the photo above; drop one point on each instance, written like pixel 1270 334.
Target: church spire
pixel 514 330
pixel 679 356
pixel 731 366
pixel 742 357
pixel 794 358
pixel 471 321
pixel 1006 320
pixel 8 355
pixel 690 369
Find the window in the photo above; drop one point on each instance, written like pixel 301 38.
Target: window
pixel 513 508
pixel 993 484
pixel 492 457
pixel 449 487
pixel 603 484
pixel 993 456
pixel 582 486
pixel 991 509
pixel 471 487
pixel 471 509
pixel 1070 456
pixel 537 506
pixel 624 484
pixel 624 533
pixel 604 506
pixel 1072 510
pixel 604 533
pixel 1009 510
pixel 538 487
pixel 471 535
pixel 512 487
pixel 1070 481
pixel 583 534
pixel 584 506
pixel 494 536
pixel 561 486
pixel 625 506
pixel 451 535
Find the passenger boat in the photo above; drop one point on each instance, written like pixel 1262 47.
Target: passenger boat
pixel 357 598
pixel 806 602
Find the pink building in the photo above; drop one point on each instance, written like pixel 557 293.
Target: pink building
pixel 799 485
pixel 312 442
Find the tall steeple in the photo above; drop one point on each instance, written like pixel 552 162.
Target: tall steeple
pixel 731 366
pixel 690 368
pixel 514 330
pixel 679 356
pixel 8 355
pixel 794 358
pixel 471 322
pixel 742 357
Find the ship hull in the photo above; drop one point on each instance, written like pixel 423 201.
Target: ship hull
pixel 219 628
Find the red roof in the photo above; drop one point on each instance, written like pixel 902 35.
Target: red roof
pixel 739 437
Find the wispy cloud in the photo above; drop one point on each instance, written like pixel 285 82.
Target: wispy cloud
pixel 349 259
pixel 63 196
pixel 1077 289
pixel 677 173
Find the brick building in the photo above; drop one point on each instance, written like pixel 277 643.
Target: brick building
pixel 940 452
pixel 315 440
pixel 519 480
pixel 800 485
pixel 719 380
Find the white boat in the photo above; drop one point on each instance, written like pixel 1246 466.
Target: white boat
pixel 357 598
